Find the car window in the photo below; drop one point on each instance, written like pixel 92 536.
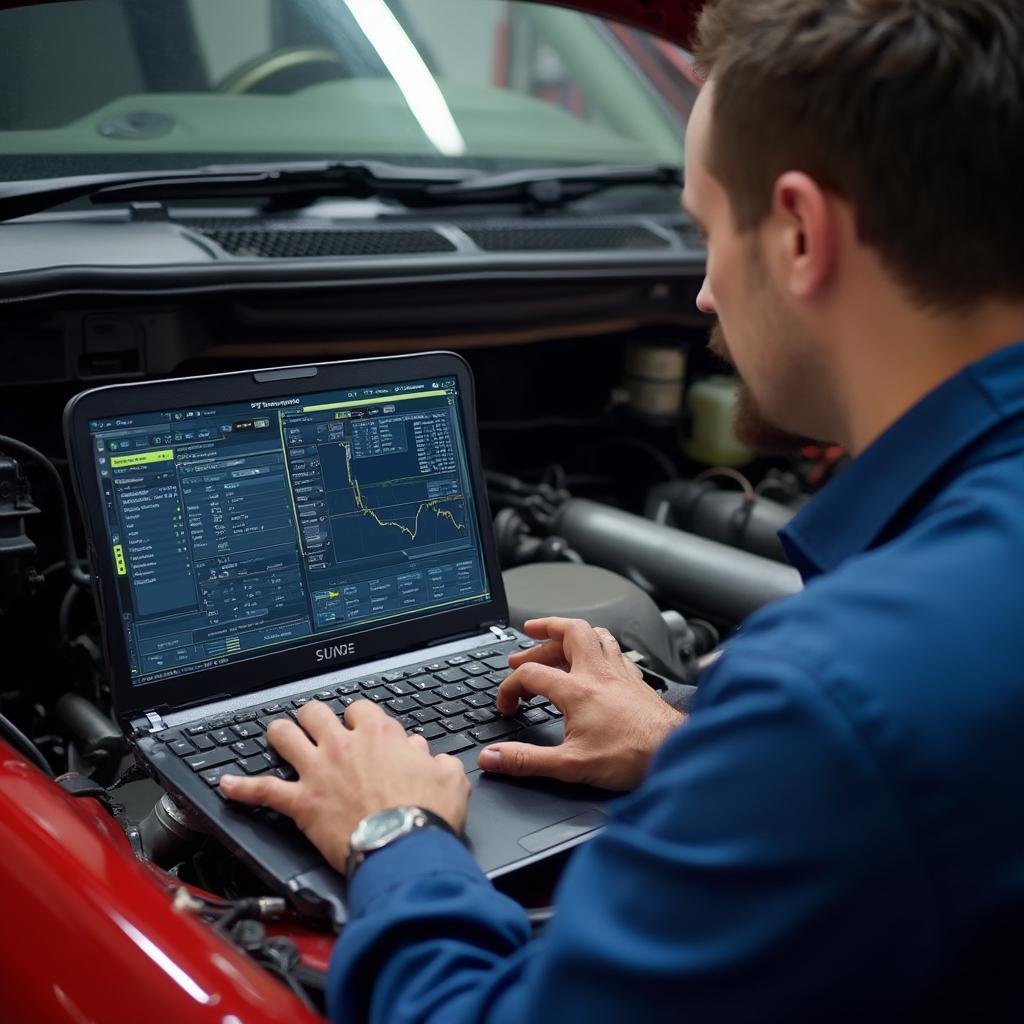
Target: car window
pixel 231 33
pixel 96 85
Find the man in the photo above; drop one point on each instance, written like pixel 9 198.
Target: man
pixel 836 832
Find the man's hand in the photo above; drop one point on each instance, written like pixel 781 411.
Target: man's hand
pixel 347 773
pixel 613 720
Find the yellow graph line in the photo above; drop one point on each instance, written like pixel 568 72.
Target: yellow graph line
pixel 357 494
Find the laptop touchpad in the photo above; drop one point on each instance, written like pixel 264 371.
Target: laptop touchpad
pixel 510 818
pixel 563 831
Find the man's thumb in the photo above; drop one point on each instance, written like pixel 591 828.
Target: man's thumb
pixel 523 759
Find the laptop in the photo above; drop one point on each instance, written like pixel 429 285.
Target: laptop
pixel 264 538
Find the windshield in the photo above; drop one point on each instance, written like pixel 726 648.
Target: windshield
pixel 95 86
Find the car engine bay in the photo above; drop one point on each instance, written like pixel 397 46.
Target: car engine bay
pixel 617 491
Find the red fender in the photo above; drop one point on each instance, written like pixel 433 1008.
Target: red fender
pixel 89 933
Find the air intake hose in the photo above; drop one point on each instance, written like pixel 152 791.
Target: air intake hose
pixel 715 579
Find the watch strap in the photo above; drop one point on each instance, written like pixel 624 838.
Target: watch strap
pixel 421 819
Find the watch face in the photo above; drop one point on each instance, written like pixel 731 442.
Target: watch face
pixel 379 827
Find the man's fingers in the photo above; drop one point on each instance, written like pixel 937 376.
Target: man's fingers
pixel 365 713
pixel 549 653
pixel 608 643
pixel 291 743
pixel 318 720
pixel 522 759
pixel 529 680
pixel 536 628
pixel 265 790
pixel 419 741
pixel 576 637
pixel 613 652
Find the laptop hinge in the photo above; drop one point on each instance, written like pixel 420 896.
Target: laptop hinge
pixel 501 633
pixel 151 723
pixel 156 723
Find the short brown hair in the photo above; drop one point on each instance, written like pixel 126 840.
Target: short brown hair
pixel 912 110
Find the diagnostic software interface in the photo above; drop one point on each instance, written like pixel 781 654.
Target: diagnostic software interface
pixel 241 528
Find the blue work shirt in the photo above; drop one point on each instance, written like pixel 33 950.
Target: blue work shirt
pixel 837 831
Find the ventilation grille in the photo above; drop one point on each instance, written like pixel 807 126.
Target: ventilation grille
pixel 255 239
pixel 563 237
pixel 297 244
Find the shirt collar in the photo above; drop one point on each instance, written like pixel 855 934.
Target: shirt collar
pixel 855 508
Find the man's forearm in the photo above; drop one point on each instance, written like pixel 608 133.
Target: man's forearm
pixel 704 896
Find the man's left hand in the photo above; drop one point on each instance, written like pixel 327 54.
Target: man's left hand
pixel 347 773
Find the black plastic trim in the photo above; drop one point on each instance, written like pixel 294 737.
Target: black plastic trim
pixel 270 275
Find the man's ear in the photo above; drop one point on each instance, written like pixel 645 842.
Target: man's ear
pixel 806 229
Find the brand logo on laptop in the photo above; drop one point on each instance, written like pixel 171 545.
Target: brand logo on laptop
pixel 335 651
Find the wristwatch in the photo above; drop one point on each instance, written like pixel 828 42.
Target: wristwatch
pixel 378 830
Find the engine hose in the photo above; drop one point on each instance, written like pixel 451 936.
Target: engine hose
pixel 716 579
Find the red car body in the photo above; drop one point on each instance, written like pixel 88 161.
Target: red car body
pixel 90 933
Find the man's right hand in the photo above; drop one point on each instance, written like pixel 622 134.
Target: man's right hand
pixel 613 720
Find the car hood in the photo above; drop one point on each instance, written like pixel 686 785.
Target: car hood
pixel 673 20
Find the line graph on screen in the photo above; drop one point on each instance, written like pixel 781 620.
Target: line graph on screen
pixel 393 513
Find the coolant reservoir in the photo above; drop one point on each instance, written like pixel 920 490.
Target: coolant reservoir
pixel 711 405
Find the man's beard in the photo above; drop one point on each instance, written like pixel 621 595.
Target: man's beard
pixel 750 424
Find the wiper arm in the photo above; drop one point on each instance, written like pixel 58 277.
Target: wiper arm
pixel 296 183
pixel 552 187
pixel 350 179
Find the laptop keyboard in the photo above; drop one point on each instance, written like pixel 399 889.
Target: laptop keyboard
pixel 450 702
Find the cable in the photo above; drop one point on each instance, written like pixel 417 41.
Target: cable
pixel 133 773
pixel 56 567
pixel 731 474
pixel 667 466
pixel 557 474
pixel 258 908
pixel 17 739
pixel 67 606
pixel 292 982
pixel 541 500
pixel 79 578
pixel 234 913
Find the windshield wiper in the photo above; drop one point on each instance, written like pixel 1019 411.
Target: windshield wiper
pixel 296 184
pixel 549 187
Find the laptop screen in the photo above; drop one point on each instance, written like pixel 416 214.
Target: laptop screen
pixel 247 527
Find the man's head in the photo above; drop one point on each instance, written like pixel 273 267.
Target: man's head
pixel 853 162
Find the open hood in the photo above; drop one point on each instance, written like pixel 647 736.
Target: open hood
pixel 670 19
pixel 673 20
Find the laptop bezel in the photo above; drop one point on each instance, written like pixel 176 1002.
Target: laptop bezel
pixel 299 662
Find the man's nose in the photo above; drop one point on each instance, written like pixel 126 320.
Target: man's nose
pixel 705 300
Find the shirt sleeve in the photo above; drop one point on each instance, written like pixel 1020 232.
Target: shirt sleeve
pixel 763 871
